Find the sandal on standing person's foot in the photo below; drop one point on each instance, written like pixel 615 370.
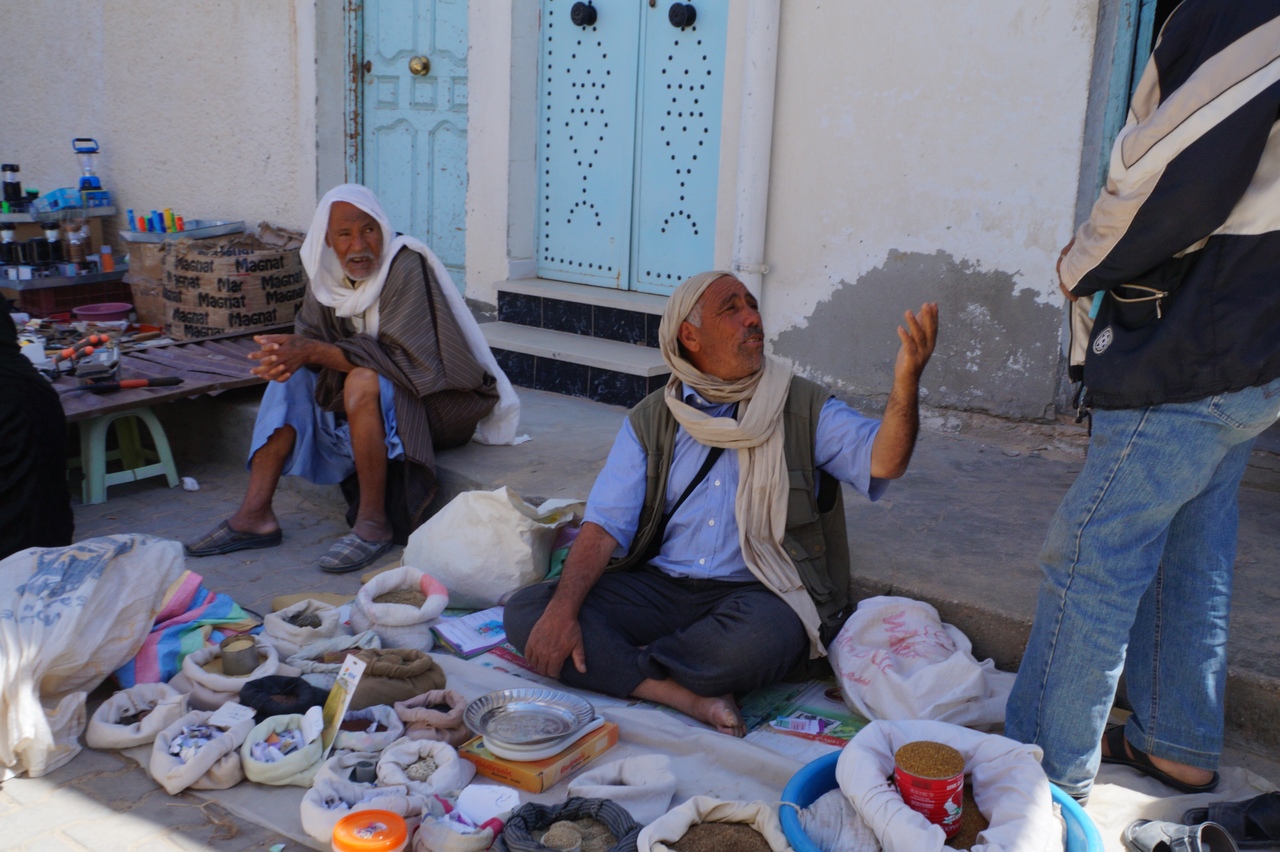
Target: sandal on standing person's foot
pixel 1252 823
pixel 1120 750
pixel 351 553
pixel 1147 835
pixel 223 539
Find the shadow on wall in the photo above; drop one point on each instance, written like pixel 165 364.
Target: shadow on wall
pixel 997 351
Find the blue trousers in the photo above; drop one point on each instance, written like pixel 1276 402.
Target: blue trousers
pixel 1137 578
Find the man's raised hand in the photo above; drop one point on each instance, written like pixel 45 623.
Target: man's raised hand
pixel 919 335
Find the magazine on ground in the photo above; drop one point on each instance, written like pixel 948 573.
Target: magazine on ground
pixel 472 634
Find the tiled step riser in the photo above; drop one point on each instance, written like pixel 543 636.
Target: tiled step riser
pixel 607 323
pixel 597 383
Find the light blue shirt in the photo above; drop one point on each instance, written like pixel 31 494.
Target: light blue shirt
pixel 702 537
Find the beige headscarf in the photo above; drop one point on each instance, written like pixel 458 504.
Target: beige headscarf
pixel 761 503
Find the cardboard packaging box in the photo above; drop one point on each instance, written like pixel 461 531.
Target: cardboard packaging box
pixel 539 775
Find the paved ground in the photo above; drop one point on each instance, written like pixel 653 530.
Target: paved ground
pixel 961 531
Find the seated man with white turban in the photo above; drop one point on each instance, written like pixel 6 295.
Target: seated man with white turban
pixel 700 574
pixel 386 364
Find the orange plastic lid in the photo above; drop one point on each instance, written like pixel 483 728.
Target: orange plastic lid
pixel 370 831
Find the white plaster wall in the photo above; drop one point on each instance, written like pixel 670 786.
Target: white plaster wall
pixel 207 108
pixel 923 127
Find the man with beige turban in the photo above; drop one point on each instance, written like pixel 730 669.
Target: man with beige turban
pixel 700 574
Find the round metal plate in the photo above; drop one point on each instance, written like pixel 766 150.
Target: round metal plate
pixel 524 717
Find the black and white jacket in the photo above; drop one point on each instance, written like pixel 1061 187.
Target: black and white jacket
pixel 1184 240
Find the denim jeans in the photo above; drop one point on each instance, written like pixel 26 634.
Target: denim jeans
pixel 1138 566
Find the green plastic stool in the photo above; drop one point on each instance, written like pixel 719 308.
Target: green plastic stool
pixel 139 462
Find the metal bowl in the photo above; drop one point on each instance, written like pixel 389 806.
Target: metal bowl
pixel 525 717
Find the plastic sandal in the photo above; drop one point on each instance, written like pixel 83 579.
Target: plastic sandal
pixel 1252 823
pixel 1146 835
pixel 1115 740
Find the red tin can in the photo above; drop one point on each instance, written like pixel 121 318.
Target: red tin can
pixel 930 778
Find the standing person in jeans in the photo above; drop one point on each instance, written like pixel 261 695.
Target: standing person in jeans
pixel 1181 365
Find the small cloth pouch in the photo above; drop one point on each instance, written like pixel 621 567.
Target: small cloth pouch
pixel 517 834
pixel 330 799
pixel 643 784
pixel 671 826
pixel 390 729
pixel 289 638
pixel 452 772
pixel 210 689
pixel 162 704
pixel 395 674
pixel 297 768
pixel 400 625
pixel 435 715
pixel 215 766
pixel 341 764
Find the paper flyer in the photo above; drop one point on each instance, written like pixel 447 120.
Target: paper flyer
pixel 335 708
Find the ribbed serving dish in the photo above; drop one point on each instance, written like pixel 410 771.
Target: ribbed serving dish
pixel 527 717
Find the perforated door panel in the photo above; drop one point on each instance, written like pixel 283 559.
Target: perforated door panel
pixel 586 142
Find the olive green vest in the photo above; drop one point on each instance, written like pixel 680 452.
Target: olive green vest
pixel 815 535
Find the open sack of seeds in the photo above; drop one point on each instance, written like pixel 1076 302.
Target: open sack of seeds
pixel 435 715
pixel 330 799
pixel 134 716
pixel 395 674
pixel 279 695
pixel 425 767
pixel 400 605
pixel 191 753
pixel 601 826
pixel 369 730
pixel 276 752
pixel 299 625
pixel 745 826
pixel 1009 787
pixel 202 676
pixel 321 661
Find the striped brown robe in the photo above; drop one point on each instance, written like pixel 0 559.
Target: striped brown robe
pixel 441 390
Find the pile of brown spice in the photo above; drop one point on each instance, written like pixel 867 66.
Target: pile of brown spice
pixel 972 822
pixel 408 597
pixel 562 835
pixel 596 836
pixel 721 837
pixel 926 759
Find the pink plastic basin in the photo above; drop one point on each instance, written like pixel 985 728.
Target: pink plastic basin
pixel 104 312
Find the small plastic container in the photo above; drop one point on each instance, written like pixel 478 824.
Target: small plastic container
pixel 104 312
pixel 370 831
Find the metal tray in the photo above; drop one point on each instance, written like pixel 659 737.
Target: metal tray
pixel 524 717
pixel 196 229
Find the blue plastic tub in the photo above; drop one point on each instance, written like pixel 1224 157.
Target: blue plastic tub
pixel 819 776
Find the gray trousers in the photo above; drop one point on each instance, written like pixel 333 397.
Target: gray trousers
pixel 711 637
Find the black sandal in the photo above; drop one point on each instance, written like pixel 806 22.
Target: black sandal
pixel 1116 742
pixel 1253 823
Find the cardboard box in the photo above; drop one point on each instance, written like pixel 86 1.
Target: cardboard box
pixel 539 775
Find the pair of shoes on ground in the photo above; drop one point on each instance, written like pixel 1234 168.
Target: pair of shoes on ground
pixel 1115 741
pixel 1147 835
pixel 1253 823
pixel 349 553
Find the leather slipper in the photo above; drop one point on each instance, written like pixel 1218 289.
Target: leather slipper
pixel 1147 835
pixel 1252 823
pixel 223 539
pixel 351 553
pixel 1115 740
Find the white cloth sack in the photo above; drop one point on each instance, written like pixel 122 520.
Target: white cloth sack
pixel 340 765
pixel 424 723
pixel 1009 787
pixel 672 825
pixel 391 729
pixel 310 659
pixel 451 775
pixel 296 769
pixel 483 545
pixel 288 638
pixel 69 617
pixel 330 799
pixel 437 834
pixel 164 704
pixel 895 659
pixel 214 767
pixel 208 690
pixel 643 784
pixel 832 823
pixel 400 625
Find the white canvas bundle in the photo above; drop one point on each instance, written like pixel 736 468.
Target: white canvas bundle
pixel 451 775
pixel 216 766
pixel 296 769
pixel 1009 787
pixel 310 659
pixel 671 826
pixel 643 784
pixel 330 799
pixel 288 638
pixel 389 724
pixel 161 702
pixel 437 834
pixel 209 690
pixel 400 625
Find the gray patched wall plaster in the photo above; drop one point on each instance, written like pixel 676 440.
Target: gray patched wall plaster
pixel 997 352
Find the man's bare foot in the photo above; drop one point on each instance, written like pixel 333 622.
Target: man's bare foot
pixel 373 530
pixel 1193 775
pixel 718 711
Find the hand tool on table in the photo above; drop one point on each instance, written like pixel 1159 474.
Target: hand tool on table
pixel 125 384
pixel 82 348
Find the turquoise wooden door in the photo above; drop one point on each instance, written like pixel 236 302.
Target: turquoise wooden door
pixel 629 109
pixel 414 136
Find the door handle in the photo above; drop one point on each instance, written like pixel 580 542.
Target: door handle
pixel 419 66
pixel 682 15
pixel 583 15
pixel 368 66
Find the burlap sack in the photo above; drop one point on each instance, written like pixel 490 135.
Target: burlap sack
pixel 297 769
pixel 643 784
pixel 289 638
pixel 517 834
pixel 210 690
pixel 162 703
pixel 400 625
pixel 214 767
pixel 330 799
pixel 451 775
pixel 672 825
pixel 424 720
pixel 389 724
pixel 310 659
pixel 394 674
